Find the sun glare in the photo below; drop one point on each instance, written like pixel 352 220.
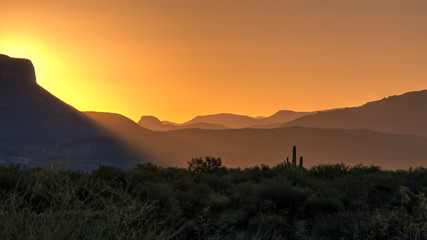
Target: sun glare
pixel 45 63
pixel 56 73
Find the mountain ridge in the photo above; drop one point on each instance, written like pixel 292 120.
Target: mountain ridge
pixel 224 121
pixel 29 115
pixel 248 147
pixel 405 113
pixel 153 123
pixel 35 125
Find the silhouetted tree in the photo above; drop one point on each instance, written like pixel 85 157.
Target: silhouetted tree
pixel 210 164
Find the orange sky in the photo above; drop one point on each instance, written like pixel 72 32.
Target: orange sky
pixel 177 59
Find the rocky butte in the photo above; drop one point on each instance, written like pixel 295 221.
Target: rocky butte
pixel 16 72
pixel 35 125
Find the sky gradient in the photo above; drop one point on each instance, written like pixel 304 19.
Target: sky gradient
pixel 178 59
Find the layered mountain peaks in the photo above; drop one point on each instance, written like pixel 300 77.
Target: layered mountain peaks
pixel 30 116
pixel 224 121
pixel 150 122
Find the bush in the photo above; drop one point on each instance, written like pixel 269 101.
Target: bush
pixel 151 202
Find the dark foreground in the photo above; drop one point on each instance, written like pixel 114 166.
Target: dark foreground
pixel 211 202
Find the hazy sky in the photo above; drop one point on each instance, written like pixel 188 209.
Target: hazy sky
pixel 178 58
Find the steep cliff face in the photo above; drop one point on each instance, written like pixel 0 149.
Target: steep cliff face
pixel 35 126
pixel 16 71
pixel 28 110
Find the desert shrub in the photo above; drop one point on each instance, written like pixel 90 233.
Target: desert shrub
pixel 107 172
pixel 281 193
pixel 328 171
pixel 52 208
pixel 151 202
pixel 269 226
pixel 217 183
pixel 318 204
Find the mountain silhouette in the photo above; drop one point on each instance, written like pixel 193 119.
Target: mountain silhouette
pixel 406 113
pixel 226 119
pixel 276 120
pixel 119 125
pixel 240 121
pixel 35 125
pixel 248 147
pixel 155 124
pixel 28 110
pixel 223 121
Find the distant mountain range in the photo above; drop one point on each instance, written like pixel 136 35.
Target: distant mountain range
pixel 37 128
pixel 223 121
pixel 153 123
pixel 249 147
pixel 405 113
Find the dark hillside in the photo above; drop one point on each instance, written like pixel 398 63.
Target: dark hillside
pixel 36 127
pixel 406 113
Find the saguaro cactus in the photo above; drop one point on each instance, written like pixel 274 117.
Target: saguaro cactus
pixel 300 163
pixel 294 157
pixel 293 165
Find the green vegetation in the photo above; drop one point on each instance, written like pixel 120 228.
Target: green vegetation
pixel 208 201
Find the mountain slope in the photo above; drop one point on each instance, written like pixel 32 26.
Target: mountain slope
pixel 226 119
pixel 38 129
pixel 405 113
pixel 282 116
pixel 249 147
pixel 240 121
pixel 27 110
pixel 223 121
pixel 153 123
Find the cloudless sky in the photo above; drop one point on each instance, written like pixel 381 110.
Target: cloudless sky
pixel 178 59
